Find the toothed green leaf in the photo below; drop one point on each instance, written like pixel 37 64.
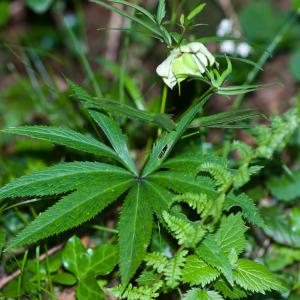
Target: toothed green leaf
pixel 135 228
pixel 65 137
pixel 71 211
pixel 197 294
pixel 198 272
pixel 62 178
pixel 255 277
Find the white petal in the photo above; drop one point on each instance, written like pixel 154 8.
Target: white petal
pixel 165 67
pixel 227 47
pixel 243 49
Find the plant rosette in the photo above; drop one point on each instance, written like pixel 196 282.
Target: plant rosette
pixel 188 60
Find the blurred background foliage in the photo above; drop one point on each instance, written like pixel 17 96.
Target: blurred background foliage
pixel 43 41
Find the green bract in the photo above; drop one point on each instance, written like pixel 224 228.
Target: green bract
pixel 190 59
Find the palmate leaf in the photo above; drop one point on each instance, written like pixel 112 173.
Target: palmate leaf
pixel 115 107
pixel 65 137
pixel 135 229
pixel 116 138
pixel 198 272
pixel 72 211
pixel 63 178
pixel 255 277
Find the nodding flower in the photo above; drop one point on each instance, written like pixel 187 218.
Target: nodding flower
pixel 188 60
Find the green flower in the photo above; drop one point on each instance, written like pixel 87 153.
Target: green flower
pixel 184 61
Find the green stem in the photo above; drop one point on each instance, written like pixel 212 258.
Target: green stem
pixel 265 56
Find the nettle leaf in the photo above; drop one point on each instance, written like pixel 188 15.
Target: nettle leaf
pixel 198 272
pixel 63 178
pixel 228 291
pixel 255 277
pixel 249 210
pixel 65 137
pixel 285 188
pixel 86 264
pixel 196 294
pixel 213 255
pixel 68 212
pixel 116 138
pixel 135 229
pixel 231 234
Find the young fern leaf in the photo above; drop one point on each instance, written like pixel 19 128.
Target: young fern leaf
pixel 62 178
pixel 187 233
pixel 135 229
pixel 173 270
pixel 68 212
pixel 65 137
pixel 116 138
pixel 157 261
pixel 197 272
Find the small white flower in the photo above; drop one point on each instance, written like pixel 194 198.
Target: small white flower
pixel 190 59
pixel 225 27
pixel 243 50
pixel 227 47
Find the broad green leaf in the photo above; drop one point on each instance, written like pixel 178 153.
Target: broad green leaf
pixel 249 210
pixel 228 291
pixel 285 188
pixel 82 262
pixel 166 142
pixel 197 294
pixel 213 255
pixel 255 277
pixel 88 289
pixel 68 212
pixel 159 198
pixel 39 6
pixel 63 178
pixel 197 10
pixel 64 278
pixel 198 272
pixel 135 228
pixel 65 137
pixel 279 227
pixel 116 138
pixel 231 234
pixel 161 11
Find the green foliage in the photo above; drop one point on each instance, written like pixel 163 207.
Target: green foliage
pixel 195 294
pixel 87 264
pixel 39 6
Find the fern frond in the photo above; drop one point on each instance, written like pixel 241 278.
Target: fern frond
pixel 219 172
pixel 187 233
pixel 173 270
pixel 137 293
pixel 244 150
pixel 199 202
pixel 62 178
pixel 157 261
pixel 249 210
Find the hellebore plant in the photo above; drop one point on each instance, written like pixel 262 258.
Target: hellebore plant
pixel 207 264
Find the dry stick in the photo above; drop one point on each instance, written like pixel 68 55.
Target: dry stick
pixel 7 279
